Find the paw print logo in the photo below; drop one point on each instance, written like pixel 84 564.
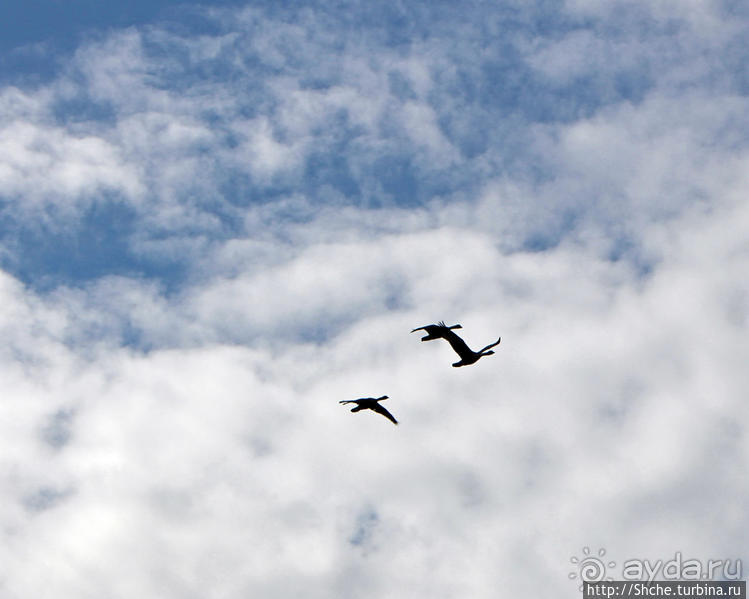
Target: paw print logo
pixel 591 568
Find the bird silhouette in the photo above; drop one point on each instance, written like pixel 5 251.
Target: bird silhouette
pixel 434 331
pixel 370 403
pixel 467 355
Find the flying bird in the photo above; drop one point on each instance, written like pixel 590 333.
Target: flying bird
pixel 370 403
pixel 435 331
pixel 467 355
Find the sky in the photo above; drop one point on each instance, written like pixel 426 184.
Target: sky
pixel 217 221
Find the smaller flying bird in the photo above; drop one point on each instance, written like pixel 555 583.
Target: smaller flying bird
pixel 371 403
pixel 435 331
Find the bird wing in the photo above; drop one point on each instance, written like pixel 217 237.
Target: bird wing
pixel 380 410
pixel 483 349
pixel 457 343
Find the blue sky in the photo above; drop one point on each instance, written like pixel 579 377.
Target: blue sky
pixel 481 77
pixel 65 24
pixel 218 221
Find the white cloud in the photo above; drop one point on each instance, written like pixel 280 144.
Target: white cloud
pixel 580 54
pixel 43 164
pixel 188 441
pixel 604 395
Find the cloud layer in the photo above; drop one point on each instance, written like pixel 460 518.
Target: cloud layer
pixel 215 228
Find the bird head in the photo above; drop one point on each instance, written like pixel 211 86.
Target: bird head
pixel 488 353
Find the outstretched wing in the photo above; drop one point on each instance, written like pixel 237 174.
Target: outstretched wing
pixel 456 343
pixel 483 349
pixel 436 330
pixel 380 410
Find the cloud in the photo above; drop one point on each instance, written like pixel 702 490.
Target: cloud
pixel 294 196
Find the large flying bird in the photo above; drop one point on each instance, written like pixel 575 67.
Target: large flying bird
pixel 371 403
pixel 467 355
